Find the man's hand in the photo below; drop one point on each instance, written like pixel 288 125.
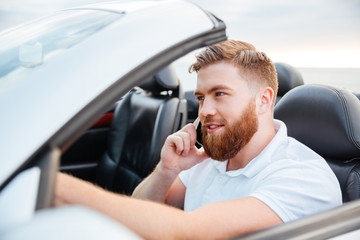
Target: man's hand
pixel 179 151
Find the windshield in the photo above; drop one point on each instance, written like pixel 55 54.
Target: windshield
pixel 31 45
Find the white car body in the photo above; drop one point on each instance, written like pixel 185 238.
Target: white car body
pixel 60 73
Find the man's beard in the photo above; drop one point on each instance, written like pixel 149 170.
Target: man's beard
pixel 226 145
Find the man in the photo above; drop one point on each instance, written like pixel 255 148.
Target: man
pixel 249 175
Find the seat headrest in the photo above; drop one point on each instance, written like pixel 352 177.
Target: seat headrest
pixel 325 119
pixel 164 80
pixel 288 77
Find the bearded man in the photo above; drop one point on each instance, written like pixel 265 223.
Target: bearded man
pixel 249 174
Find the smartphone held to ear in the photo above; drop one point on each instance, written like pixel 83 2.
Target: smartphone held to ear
pixel 198 143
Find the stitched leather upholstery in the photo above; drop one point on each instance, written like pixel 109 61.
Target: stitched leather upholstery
pixel 328 121
pixel 141 123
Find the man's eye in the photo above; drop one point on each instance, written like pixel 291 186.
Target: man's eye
pixel 219 94
pixel 200 98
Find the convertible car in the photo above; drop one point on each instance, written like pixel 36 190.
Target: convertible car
pixel 93 91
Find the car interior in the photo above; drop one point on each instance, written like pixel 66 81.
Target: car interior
pixel 124 146
pixel 141 123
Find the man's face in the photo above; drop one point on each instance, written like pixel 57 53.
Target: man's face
pixel 227 110
pixel 227 144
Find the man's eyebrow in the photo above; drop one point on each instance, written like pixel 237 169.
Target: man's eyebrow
pixel 213 89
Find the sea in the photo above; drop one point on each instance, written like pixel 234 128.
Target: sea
pixel 343 78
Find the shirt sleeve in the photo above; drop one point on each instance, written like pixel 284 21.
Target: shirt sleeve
pixel 184 176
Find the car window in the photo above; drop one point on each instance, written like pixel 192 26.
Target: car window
pixel 51 37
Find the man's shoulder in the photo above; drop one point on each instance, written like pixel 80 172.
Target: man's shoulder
pixel 299 160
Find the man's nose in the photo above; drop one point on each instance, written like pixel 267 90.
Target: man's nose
pixel 207 108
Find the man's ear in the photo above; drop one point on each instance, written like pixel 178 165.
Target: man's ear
pixel 266 97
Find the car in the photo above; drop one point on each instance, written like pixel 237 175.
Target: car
pixel 93 91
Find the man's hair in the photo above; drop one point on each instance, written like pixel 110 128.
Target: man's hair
pixel 257 67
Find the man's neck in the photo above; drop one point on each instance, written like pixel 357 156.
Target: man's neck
pixel 256 145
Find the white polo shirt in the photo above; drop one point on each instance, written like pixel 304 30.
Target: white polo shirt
pixel 289 177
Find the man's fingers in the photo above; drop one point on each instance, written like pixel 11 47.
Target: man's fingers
pixel 177 142
pixel 186 142
pixel 182 141
pixel 190 128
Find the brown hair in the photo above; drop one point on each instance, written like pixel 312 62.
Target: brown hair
pixel 258 68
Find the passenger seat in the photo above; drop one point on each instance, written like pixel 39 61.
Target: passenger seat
pixel 326 119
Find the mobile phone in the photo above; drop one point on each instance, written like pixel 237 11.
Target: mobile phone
pixel 198 143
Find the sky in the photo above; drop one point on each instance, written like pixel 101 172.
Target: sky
pixel 306 33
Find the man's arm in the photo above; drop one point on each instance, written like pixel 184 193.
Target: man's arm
pixel 153 220
pixel 173 195
pixel 162 189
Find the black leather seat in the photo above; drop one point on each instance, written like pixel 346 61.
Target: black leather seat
pixel 140 125
pixel 328 121
pixel 288 77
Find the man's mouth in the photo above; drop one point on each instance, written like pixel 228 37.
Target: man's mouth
pixel 212 127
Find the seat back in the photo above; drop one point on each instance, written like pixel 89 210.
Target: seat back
pixel 327 120
pixel 140 125
pixel 288 77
